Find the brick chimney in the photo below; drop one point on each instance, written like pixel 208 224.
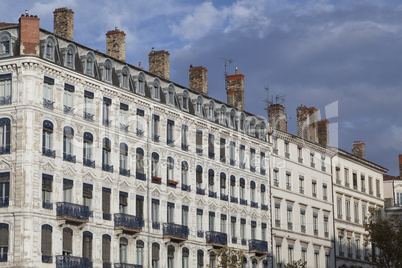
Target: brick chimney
pixel 116 44
pixel 307 123
pixel 198 79
pixel 29 34
pixel 323 132
pixel 277 117
pixel 63 22
pixel 235 90
pixel 159 63
pixel 400 166
pixel 359 149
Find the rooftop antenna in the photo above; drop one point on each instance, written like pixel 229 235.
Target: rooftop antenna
pixel 226 74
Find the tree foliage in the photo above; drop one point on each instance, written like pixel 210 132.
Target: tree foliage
pixel 386 234
pixel 228 257
pixel 296 264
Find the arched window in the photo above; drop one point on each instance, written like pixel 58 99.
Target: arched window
pixel 5 44
pixel 107 70
pixel 254 263
pixel 88 63
pixel 140 252
pixel 124 160
pixel 171 91
pixel 155 167
pixel 200 258
pixel 184 176
pixel 50 45
pixel 184 100
pixel 69 55
pixel 123 249
pixel 68 144
pixel 155 255
pixel 4 189
pixel 232 118
pixel 88 141
pixel 106 239
pixel 87 245
pixel 170 170
pixel 252 191
pixel 106 155
pixel 67 241
pixel 244 264
pixel 198 105
pixel 47 139
pixel 223 185
pixel 5 89
pixel 199 177
pixel 139 164
pixel 211 176
pixel 242 121
pixel 140 84
pixel 155 89
pixel 251 127
pixel 170 254
pixel 222 115
pixel 211 110
pixel 46 243
pixel 185 255
pixel 5 136
pixel 124 76
pixel 262 130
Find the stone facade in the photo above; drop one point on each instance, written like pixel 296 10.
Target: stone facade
pixel 63 22
pixel 235 90
pixel 116 44
pixel 159 63
pixel 198 79
pixel 277 117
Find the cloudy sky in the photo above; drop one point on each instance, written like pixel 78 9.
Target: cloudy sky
pixel 343 57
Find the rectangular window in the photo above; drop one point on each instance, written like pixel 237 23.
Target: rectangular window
pixel 356 212
pixel 275 145
pixel 263 231
pixel 370 185
pixel 123 196
pixel 48 93
pixel 252 159
pixel 242 228
pixel 47 185
pixel 233 226
pixel 170 212
pixel 223 223
pixel 88 105
pixel 155 213
pixel 242 164
pixel 87 195
pixel 67 190
pixel 290 217
pixel 287 154
pixel 5 89
pixel 106 192
pixel 277 215
pixel 169 132
pixel 155 128
pixel 347 208
pixel 262 163
pixel 326 232
pixel 139 206
pixel 364 214
pixel 337 175
pixel 340 246
pixel 301 184
pixel 4 189
pixel 68 99
pixel 184 132
pixel 123 114
pixel 300 154
pixel 106 111
pixel 363 183
pixel 199 220
pixel 315 223
pixel 290 253
pixel 198 141
pixel 324 192
pixel 303 220
pixel 211 146
pixel 304 255
pixel 339 207
pixel 377 188
pixel 278 255
pixel 222 150
pixel 211 221
pixel 312 164
pixel 276 177
pixel 346 171
pixel 314 188
pixel 139 125
pixel 288 180
pixel 184 215
pixel 316 258
pixel 355 181
pixel 253 227
pixel 232 153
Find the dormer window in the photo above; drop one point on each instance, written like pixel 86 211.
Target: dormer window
pixel 232 118
pixel 198 105
pixel 69 55
pixel 184 100
pixel 88 63
pixel 49 48
pixel 124 76
pixel 107 71
pixel 155 89
pixel 140 84
pixel 210 109
pixel 242 121
pixel 170 94
pixel 5 44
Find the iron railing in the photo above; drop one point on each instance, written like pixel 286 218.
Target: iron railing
pixel 89 116
pixel 67 261
pixel 216 237
pixel 186 187
pixel 80 212
pixel 6 149
pixel 69 157
pixel 108 168
pixel 124 172
pixel 175 230
pixel 128 221
pixel 48 152
pixel 48 104
pixel 88 163
pixel 258 245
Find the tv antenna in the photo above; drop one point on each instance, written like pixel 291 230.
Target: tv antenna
pixel 226 74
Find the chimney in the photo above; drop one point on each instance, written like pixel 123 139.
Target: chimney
pixel 359 149
pixel 29 34
pixel 63 22
pixel 116 44
pixel 307 123
pixel 323 132
pixel 198 79
pixel 400 166
pixel 313 129
pixel 159 63
pixel 235 90
pixel 277 118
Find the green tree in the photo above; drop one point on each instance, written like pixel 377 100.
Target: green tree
pixel 386 234
pixel 296 264
pixel 228 257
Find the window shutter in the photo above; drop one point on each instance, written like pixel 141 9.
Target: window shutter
pixel 67 184
pixel 105 249
pixel 199 176
pixel 210 179
pixel 155 252
pixel 105 201
pixel 140 163
pixel 223 182
pixel 3 235
pixel 4 177
pixel 211 144
pixel 47 184
pixel 199 138
pixel 87 190
pixel 123 200
pixel 67 240
pixel 222 149
pixel 46 240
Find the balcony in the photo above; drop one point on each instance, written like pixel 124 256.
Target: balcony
pixel 264 207
pixel 128 223
pixel 234 199
pixel 263 171
pixel 278 223
pixel 67 261
pixel 301 190
pixel 184 147
pixel 224 197
pixel 124 172
pixel 300 160
pixel 200 191
pixel 47 205
pixel 287 155
pixel 48 104
pixel 4 202
pixel 303 228
pixel 170 142
pixel 212 194
pixel 216 238
pixel 186 187
pixel 139 132
pixel 127 265
pixel 200 233
pixel 288 186
pixel 347 184
pixel 68 157
pixel 276 183
pixel 156 225
pixel 234 240
pixel 107 122
pixel 155 138
pixel 338 182
pixel 275 151
pixel 89 117
pixel 156 180
pixel 5 149
pixel 232 162
pixel 242 165
pixel 172 183
pixel 258 247
pixel 48 152
pixel 316 232
pixel 140 176
pixel 243 202
pixel 88 163
pixel 73 212
pixel 243 241
pixel 199 151
pixel 123 127
pixel 68 110
pixel 47 259
pixel 175 232
pixel 326 234
pixel 108 168
pixel 252 168
pixel 254 204
pixel 211 155
pixel 290 226
pixel 354 187
pixel 107 216
pixel 5 100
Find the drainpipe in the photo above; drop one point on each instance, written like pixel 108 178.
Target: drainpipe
pixel 148 186
pixel 270 203
pixel 333 209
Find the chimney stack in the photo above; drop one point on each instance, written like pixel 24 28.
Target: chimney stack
pixel 29 34
pixel 307 123
pixel 235 90
pixel 359 149
pixel 198 79
pixel 400 166
pixel 277 117
pixel 159 63
pixel 323 132
pixel 116 44
pixel 63 22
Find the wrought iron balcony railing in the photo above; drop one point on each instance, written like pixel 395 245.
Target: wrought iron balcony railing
pixel 288 186
pixel 200 191
pixel 123 127
pixel 263 171
pixel 48 152
pixel 67 261
pixel 244 241
pixel 234 199
pixel 107 216
pixel 4 202
pixel 264 207
pixel 232 162
pixel 276 183
pixel 108 168
pixel 47 259
pixel 156 180
pixel 88 163
pixel 175 230
pixel 155 138
pixel 156 225
pixel 186 187
pixel 254 204
pixel 252 168
pixel 48 104
pixel 139 132
pixel 184 147
pixel 312 165
pixel 172 183
pixel 5 149
pixel 89 117
pixel 278 223
pixel 224 197
pixel 290 226
pixel 301 190
pixel 213 237
pixel 129 222
pixel 69 157
pixel 315 232
pixel 354 187
pixel 326 234
pixel 234 240
pixel 211 155
pixel 47 205
pixel 303 228
pixel 199 151
pixel 68 110
pixel 124 172
pixel 200 233
pixel 243 202
pixel 212 194
pixel 287 155
pixel 5 100
pixel 300 160
pixel 347 184
pixel 242 165
pixel 170 142
pixel 275 151
pixel 140 176
pixel 258 245
pixel 106 122
pixel 338 182
pixel 73 211
pixel 127 265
